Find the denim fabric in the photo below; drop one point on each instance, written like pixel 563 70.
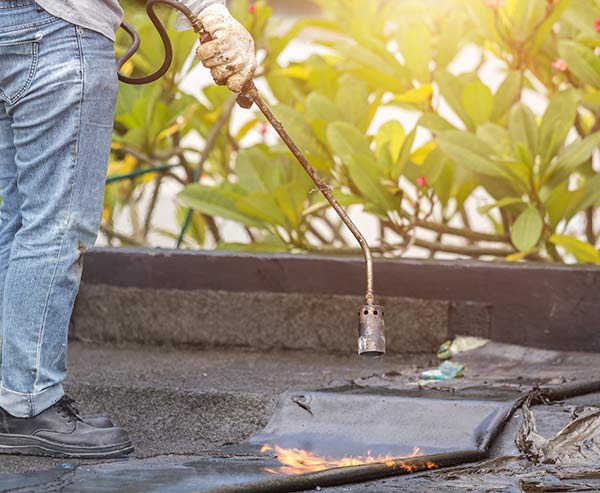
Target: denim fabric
pixel 58 88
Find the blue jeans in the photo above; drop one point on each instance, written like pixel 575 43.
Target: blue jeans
pixel 58 89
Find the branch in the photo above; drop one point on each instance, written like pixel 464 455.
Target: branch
pixel 213 135
pixel 128 240
pixel 467 250
pixel 450 230
pixel 589 225
pixel 152 206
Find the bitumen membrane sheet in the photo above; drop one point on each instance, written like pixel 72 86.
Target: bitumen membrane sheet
pixel 460 414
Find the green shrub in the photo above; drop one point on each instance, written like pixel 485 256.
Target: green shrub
pixel 470 140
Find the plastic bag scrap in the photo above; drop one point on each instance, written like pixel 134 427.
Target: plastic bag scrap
pixel 460 345
pixel 446 371
pixel 577 444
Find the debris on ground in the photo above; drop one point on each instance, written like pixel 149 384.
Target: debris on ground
pixel 448 370
pixel 459 345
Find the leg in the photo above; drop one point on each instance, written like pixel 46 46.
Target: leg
pixel 62 126
pixel 10 214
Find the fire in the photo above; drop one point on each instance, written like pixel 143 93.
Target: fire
pixel 297 461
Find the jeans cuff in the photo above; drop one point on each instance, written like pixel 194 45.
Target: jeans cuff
pixel 22 405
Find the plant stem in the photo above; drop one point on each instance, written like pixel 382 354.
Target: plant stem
pixel 127 240
pixel 211 141
pixel 152 206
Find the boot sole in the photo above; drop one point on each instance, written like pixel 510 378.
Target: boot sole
pixel 28 445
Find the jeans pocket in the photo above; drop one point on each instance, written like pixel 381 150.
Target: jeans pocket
pixel 18 63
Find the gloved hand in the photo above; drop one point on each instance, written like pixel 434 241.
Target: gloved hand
pixel 230 54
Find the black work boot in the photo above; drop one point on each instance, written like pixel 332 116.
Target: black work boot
pixel 95 421
pixel 60 432
pixel 98 421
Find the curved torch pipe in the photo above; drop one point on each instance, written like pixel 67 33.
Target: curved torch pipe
pixel 370 317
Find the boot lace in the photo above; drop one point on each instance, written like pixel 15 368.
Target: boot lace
pixel 67 407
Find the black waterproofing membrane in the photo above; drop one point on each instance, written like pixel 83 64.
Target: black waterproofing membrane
pixel 353 422
pixel 449 428
pixel 416 428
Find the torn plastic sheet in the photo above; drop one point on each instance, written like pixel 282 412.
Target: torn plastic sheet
pixel 577 444
pixel 459 345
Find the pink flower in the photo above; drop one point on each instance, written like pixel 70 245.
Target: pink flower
pixel 494 4
pixel 598 25
pixel 252 8
pixel 560 65
pixel 263 129
pixel 421 182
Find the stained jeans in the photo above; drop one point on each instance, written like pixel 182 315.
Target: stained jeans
pixel 58 89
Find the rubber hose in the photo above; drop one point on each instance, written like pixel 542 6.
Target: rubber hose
pixel 164 36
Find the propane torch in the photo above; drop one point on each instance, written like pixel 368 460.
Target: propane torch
pixel 371 325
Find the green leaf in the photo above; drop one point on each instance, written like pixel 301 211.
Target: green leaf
pixel 348 142
pixel 435 123
pixel 500 204
pixel 478 102
pixel 215 202
pixel 416 46
pixel 590 196
pixel 572 157
pixel 404 156
pixel 385 160
pixel 451 38
pixel 544 30
pixel 321 107
pixel 561 204
pixel 556 124
pixel 498 138
pixel 582 61
pixel 256 171
pixel 291 199
pixel 261 206
pixel 451 88
pixel 524 130
pixel 303 135
pixel 507 95
pixel 352 147
pixel 527 230
pixel 419 95
pixel 582 251
pixel 351 101
pixel 392 133
pixel 467 150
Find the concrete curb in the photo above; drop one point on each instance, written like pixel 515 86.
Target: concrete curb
pixel 306 302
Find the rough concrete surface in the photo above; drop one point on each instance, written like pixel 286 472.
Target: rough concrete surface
pixel 258 320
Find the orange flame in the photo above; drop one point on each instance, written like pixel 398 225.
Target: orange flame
pixel 297 461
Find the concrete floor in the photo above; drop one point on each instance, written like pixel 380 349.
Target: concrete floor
pixel 184 407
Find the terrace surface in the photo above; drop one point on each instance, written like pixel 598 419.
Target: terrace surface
pixel 184 407
pixel 192 365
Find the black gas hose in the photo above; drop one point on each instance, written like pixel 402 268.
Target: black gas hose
pixel 164 36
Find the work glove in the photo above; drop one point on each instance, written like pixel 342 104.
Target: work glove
pixel 230 53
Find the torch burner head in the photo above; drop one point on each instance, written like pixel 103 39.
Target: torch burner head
pixel 371 331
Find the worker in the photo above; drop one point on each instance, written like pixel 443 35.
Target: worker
pixel 58 90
